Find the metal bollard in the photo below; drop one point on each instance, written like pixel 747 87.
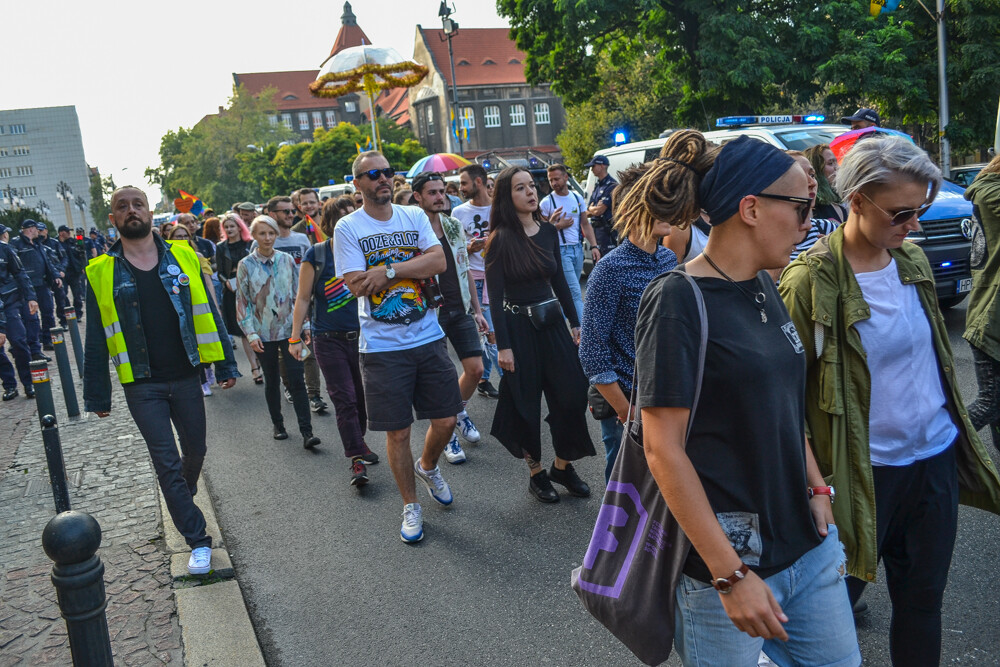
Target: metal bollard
pixel 74 335
pixel 71 540
pixel 43 389
pixel 56 465
pixel 65 372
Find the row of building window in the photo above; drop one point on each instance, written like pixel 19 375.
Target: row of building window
pixel 7 172
pixel 317 118
pixel 16 150
pixel 491 116
pixel 14 129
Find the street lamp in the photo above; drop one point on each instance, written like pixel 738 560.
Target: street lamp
pixel 11 197
pixel 450 28
pixel 81 204
pixel 43 207
pixel 64 192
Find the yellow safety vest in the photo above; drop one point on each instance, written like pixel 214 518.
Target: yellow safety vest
pixel 100 274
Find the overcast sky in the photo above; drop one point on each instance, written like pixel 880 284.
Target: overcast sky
pixel 137 69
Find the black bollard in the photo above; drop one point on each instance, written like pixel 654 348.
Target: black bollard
pixel 65 372
pixel 43 389
pixel 56 465
pixel 74 335
pixel 71 540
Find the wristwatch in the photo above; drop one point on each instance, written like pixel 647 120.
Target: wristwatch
pixel 822 491
pixel 725 584
pixel 390 272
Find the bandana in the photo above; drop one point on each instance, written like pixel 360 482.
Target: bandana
pixel 744 166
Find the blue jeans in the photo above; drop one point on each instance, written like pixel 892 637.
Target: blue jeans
pixel 572 266
pixel 611 435
pixel 811 592
pixel 489 349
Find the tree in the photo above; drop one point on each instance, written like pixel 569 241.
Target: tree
pixel 100 198
pixel 14 217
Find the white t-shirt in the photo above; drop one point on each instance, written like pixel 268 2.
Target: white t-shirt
pixel 573 206
pixel 476 221
pixel 295 244
pixel 908 420
pixel 398 318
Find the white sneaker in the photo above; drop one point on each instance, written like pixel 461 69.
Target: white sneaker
pixel 413 523
pixel 200 561
pixel 206 389
pixel 436 486
pixel 453 451
pixel 468 429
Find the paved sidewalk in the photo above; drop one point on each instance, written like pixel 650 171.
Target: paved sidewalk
pixel 112 479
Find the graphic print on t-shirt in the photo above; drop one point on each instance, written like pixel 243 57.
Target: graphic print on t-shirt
pixel 402 303
pixel 336 293
pixel 743 531
pixel 792 334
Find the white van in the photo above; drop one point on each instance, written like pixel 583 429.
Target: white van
pixel 334 191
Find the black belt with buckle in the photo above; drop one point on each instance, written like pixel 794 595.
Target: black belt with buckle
pixel 339 335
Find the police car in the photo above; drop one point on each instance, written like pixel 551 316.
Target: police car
pixel 942 235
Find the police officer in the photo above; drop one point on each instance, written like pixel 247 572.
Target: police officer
pixel 16 293
pixel 599 208
pixel 7 375
pixel 57 257
pixel 97 242
pixel 76 262
pixel 44 278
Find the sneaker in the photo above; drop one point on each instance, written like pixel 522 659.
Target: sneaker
pixel 309 440
pixel 280 433
pixel 209 376
pixel 206 389
pixel 369 457
pixel 436 486
pixel 413 523
pixel 569 479
pixel 317 404
pixel 453 451
pixel 468 429
pixel 359 474
pixel 10 394
pixel 487 389
pixel 200 561
pixel 288 395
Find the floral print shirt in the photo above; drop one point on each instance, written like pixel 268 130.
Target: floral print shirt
pixel 265 295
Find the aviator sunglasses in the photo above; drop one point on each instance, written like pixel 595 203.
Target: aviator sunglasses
pixel 373 174
pixel 902 217
pixel 803 208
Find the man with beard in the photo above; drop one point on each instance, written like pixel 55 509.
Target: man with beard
pixel 247 212
pixel 151 314
pixel 385 252
pixel 306 201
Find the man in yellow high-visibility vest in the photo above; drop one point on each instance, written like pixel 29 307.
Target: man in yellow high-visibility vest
pixel 152 314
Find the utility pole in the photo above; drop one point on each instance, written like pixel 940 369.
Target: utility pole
pixel 64 192
pixel 450 27
pixel 943 92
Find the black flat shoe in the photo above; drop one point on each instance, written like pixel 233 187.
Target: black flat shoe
pixel 568 478
pixel 541 488
pixel 309 440
pixel 29 392
pixel 486 388
pixel 10 394
pixel 280 433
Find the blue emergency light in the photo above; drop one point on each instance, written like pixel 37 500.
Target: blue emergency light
pixel 331 181
pixel 737 121
pixel 619 138
pixel 945 265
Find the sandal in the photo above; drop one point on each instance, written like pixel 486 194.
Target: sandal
pixel 258 377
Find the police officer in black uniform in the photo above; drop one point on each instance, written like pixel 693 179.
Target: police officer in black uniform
pixel 17 294
pixel 57 257
pixel 44 278
pixel 599 208
pixel 76 262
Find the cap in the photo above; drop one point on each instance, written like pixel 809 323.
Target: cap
pixel 40 226
pixel 79 230
pixel 28 222
pixel 246 206
pixel 869 115
pixel 63 228
pixel 598 159
pixel 4 229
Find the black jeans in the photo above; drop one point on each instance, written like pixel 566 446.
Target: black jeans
pixel 916 508
pixel 338 359
pixel 296 384
pixel 154 405
pixel 985 410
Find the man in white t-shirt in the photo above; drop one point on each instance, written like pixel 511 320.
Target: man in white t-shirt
pixel 566 211
pixel 385 252
pixel 474 215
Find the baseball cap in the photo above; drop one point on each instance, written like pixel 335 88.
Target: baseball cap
pixel 28 222
pixel 63 228
pixel 4 229
pixel 246 206
pixel 40 226
pixel 598 159
pixel 863 113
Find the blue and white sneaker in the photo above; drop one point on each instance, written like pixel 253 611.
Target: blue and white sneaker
pixel 436 486
pixel 453 451
pixel 468 429
pixel 413 523
pixel 200 561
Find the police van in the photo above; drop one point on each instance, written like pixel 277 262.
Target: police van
pixel 942 234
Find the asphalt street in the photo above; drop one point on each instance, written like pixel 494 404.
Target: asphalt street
pixel 328 581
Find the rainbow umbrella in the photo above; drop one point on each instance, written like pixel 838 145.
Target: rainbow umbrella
pixel 845 142
pixel 437 162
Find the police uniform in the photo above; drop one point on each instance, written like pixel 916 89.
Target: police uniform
pixel 35 260
pixel 15 292
pixel 76 261
pixel 57 257
pixel 603 232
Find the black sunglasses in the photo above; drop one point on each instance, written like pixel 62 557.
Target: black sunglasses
pixel 373 174
pixel 804 204
pixel 902 217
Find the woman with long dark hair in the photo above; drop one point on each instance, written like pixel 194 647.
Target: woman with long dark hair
pixel 829 205
pixel 228 255
pixel 523 269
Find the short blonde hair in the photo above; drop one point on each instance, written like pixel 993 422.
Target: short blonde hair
pixel 264 220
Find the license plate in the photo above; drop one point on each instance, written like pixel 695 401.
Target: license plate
pixel 964 285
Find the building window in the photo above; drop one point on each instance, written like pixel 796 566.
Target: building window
pixel 517 114
pixel 3 152
pixel 491 116
pixel 303 120
pixel 468 118
pixel 1 129
pixel 4 172
pixel 24 171
pixel 286 120
pixel 21 150
pixel 430 120
pixel 542 113
pixel 272 119
pixel 29 191
pixel 331 119
pixel 317 119
pixel 17 129
pixel 350 107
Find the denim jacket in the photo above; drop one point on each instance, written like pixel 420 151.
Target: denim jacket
pixel 97 373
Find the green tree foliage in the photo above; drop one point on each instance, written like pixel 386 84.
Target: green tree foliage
pixel 14 217
pixel 100 198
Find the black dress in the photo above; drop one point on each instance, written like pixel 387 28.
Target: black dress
pixel 545 361
pixel 228 256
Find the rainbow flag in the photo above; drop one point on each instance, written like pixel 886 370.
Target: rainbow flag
pixel 197 206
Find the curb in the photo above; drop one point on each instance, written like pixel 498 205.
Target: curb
pixel 215 623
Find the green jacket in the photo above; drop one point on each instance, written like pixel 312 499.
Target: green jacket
pixel 982 320
pixel 825 302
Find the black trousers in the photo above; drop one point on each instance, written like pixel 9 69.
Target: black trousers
pixel 296 384
pixel 916 509
pixel 985 410
pixel 74 282
pixel 154 405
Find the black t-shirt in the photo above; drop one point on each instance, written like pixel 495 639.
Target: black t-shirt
pixel 168 360
pixel 748 438
pixel 451 291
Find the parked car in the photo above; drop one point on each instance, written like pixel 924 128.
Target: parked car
pixel 965 174
pixel 941 235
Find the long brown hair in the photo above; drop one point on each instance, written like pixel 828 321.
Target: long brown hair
pixel 212 230
pixel 992 168
pixel 331 214
pixel 507 241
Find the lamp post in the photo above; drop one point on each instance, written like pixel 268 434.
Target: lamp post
pixel 450 28
pixel 81 204
pixel 11 197
pixel 64 192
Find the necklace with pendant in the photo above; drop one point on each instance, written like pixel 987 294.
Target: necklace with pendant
pixel 757 299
